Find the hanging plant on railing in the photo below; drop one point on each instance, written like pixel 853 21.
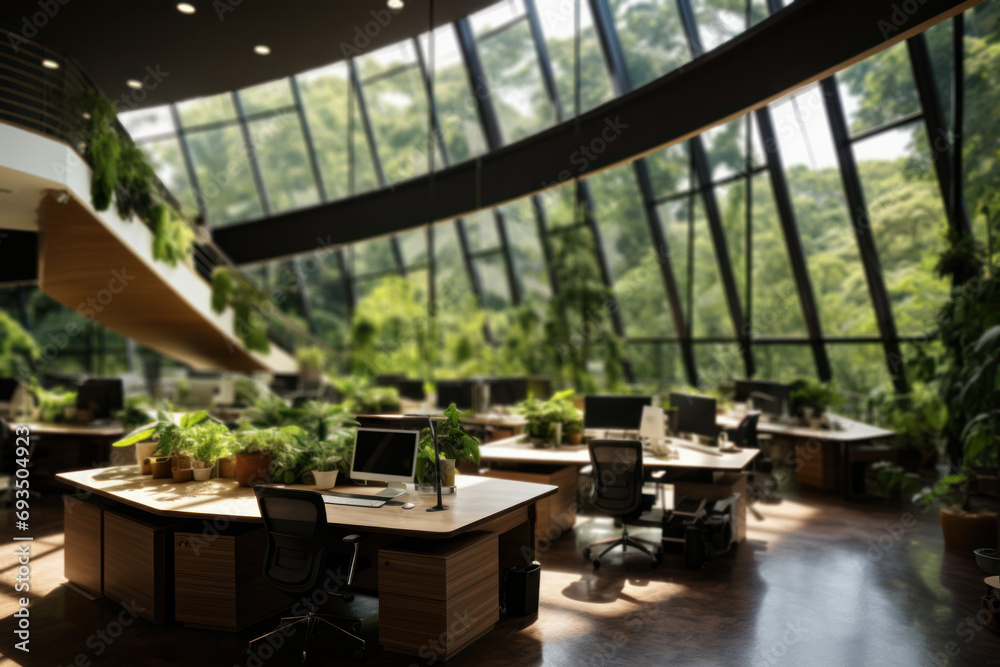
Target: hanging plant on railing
pixel 172 237
pixel 247 301
pixel 133 187
pixel 105 150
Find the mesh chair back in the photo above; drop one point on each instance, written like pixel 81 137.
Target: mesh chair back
pixel 617 468
pixel 745 436
pixel 295 520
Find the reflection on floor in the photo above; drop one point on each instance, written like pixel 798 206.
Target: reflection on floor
pixel 818 582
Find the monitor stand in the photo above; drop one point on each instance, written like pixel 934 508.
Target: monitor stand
pixel 394 490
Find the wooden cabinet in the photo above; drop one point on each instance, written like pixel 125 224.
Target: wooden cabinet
pixel 437 597
pixel 137 565
pixel 83 547
pixel 555 514
pixel 218 582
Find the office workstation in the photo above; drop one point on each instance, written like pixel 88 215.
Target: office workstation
pixel 404 332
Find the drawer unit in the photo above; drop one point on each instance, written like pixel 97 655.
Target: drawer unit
pixel 138 565
pixel 218 582
pixel 83 547
pixel 438 596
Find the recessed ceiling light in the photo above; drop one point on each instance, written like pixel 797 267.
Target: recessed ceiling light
pixel 50 64
pixel 134 84
pixel 395 4
pixel 262 50
pixel 186 8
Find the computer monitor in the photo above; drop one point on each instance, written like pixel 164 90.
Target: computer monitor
pixel 768 396
pixel 695 414
pixel 508 391
pixel 385 455
pixel 458 392
pixel 540 387
pixel 7 388
pixel 411 389
pixel 614 412
pixel 102 396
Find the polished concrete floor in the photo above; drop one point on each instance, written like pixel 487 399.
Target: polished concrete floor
pixel 818 582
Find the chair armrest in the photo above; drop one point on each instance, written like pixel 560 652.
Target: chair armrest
pixel 353 538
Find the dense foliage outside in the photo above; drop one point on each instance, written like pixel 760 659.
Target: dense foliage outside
pixel 372 302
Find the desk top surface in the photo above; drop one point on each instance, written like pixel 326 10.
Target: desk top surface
pixel 850 431
pixel 513 450
pixel 477 501
pixel 107 430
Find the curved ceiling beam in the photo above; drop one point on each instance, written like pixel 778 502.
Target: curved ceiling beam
pixel 803 43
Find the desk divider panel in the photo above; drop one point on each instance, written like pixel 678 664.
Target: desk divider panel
pixel 138 568
pixel 83 548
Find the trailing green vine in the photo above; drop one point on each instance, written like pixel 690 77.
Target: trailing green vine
pixel 247 301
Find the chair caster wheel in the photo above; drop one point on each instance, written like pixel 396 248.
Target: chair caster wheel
pixel 586 553
pixel 359 655
pixel 597 564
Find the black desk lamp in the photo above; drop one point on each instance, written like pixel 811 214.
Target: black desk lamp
pixel 437 464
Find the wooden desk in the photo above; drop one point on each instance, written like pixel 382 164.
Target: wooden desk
pixel 61 447
pixel 506 424
pixel 560 466
pixel 816 450
pixel 483 511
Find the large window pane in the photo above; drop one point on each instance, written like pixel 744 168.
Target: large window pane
pixel 283 161
pixel 526 249
pixel 879 89
pixel 324 95
pixel 220 161
pixel 207 110
pixel 515 82
pixel 266 97
pixel 146 123
pixel 907 218
pixel 831 249
pixel 652 37
pixel 165 158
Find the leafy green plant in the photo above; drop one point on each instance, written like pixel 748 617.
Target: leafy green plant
pixel 105 149
pixel 18 350
pixel 542 416
pixel 172 236
pixel 311 358
pixel 247 301
pixel 453 443
pixel 270 410
pixel 892 481
pixel 325 421
pixel 133 189
pixel 169 430
pixel 916 418
pixel 138 410
pixel 363 397
pixel 207 441
pixel 52 404
pixel 811 393
pixel 290 459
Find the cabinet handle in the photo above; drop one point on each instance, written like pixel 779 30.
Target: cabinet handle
pixel 387 563
pixel 182 543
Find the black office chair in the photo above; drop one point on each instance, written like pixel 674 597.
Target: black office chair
pixel 296 556
pixel 617 480
pixel 761 483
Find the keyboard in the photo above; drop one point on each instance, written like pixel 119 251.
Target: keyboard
pixel 354 501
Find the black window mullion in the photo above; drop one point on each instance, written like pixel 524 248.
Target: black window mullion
pixel 258 179
pixel 189 163
pixel 860 224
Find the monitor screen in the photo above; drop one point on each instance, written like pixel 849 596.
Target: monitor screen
pixel 7 388
pixel 614 412
pixel 104 396
pixel 768 396
pixel 508 391
pixel 412 389
pixel 458 392
pixel 540 387
pixel 695 414
pixel 385 455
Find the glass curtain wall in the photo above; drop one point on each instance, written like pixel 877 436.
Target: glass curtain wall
pixel 367 120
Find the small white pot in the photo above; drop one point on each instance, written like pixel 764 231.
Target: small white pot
pixel 202 474
pixel 144 450
pixel 325 479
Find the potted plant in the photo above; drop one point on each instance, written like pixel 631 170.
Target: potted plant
pixel 208 443
pixel 810 399
pixel 331 438
pixel 312 362
pixel 916 418
pixel 258 449
pixel 548 419
pixel 172 432
pixel 454 445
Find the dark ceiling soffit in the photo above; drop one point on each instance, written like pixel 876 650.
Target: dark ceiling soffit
pixel 823 36
pixel 18 257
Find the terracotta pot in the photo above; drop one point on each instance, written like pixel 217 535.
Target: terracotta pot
pixel 575 438
pixel 967 531
pixel 182 474
pixel 253 469
pixel 160 467
pixel 227 467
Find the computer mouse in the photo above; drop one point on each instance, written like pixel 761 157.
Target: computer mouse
pixel 408 506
